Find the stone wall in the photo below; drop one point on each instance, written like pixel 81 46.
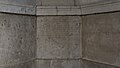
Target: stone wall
pixel 17 41
pixel 58 41
pixel 59 34
pixel 90 41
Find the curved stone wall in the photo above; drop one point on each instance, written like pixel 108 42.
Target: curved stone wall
pixel 17 40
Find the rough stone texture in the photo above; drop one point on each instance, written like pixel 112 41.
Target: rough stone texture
pixel 18 6
pixel 19 2
pixel 17 39
pixel 58 37
pixel 58 64
pixel 71 64
pixel 55 2
pixel 85 7
pixel 90 64
pixel 88 2
pixel 101 38
pixel 31 64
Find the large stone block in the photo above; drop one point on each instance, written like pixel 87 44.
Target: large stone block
pixel 58 37
pixel 17 39
pixel 101 38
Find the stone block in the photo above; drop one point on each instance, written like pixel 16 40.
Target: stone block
pixel 100 8
pixel 93 2
pixel 101 38
pixel 69 11
pixel 102 23
pixel 17 39
pixel 58 37
pixel 30 64
pixel 46 11
pixel 19 2
pixel 58 64
pixel 57 2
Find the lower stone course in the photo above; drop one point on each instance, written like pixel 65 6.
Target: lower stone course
pixel 71 64
pixel 58 64
pixel 30 64
pixel 91 64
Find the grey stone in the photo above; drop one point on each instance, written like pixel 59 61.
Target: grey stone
pixel 101 7
pixel 43 63
pixel 56 2
pixel 90 64
pixel 19 2
pixel 93 2
pixel 17 9
pixel 18 6
pixel 17 39
pixel 101 37
pixel 58 37
pixel 58 64
pixel 31 64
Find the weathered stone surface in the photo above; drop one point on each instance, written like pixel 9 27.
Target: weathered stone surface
pixel 18 6
pixel 43 63
pixel 55 2
pixel 93 2
pixel 90 64
pixel 101 38
pixel 17 39
pixel 19 2
pixel 31 64
pixel 58 37
pixel 58 64
pixel 71 64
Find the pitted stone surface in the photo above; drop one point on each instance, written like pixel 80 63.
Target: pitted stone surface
pixel 17 39
pixel 101 38
pixel 30 64
pixel 58 64
pixel 58 37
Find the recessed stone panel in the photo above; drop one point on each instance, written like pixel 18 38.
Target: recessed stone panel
pixel 101 37
pixel 58 37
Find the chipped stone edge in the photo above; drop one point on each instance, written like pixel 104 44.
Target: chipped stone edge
pixel 78 10
pixel 29 10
